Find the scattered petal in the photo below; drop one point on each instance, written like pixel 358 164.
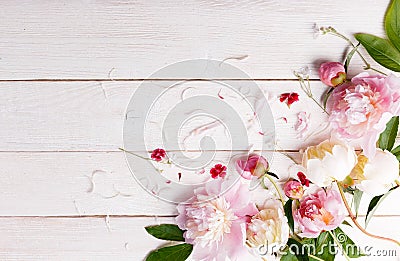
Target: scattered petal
pixel 202 171
pixel 303 179
pixel 158 154
pixel 218 171
pixel 219 94
pixel 302 123
pixel 289 98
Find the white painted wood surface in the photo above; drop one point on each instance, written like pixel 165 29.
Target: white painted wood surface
pixel 116 238
pixel 67 72
pixel 132 39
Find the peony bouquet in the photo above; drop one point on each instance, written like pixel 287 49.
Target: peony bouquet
pixel 303 213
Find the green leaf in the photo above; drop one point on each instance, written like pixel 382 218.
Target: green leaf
pixel 323 243
pixel 326 97
pixel 381 50
pixel 396 152
pixel 349 56
pixel 392 23
pixel 347 244
pixel 287 256
pixel 289 213
pixel 296 249
pixel 357 200
pixel 388 136
pixel 346 223
pixel 166 232
pixel 373 205
pixel 273 175
pixel 172 253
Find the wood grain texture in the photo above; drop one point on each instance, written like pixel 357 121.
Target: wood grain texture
pixel 89 116
pixel 100 183
pixel 66 192
pixel 122 238
pixel 122 39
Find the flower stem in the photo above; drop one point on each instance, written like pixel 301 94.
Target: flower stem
pixel 134 154
pixel 323 109
pixel 339 245
pixel 275 185
pixel 306 88
pixel 354 219
pixel 332 31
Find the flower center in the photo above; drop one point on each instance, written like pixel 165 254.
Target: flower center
pixel 360 104
pixel 211 221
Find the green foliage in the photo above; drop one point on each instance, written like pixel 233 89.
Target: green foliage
pixel 350 56
pixel 385 51
pixel 295 251
pixel 289 213
pixel 373 205
pixel 357 200
pixel 347 245
pixel 381 50
pixel 392 23
pixel 166 232
pixel 172 253
pixel 396 152
pixel 388 136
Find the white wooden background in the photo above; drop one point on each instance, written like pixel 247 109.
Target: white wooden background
pixel 67 71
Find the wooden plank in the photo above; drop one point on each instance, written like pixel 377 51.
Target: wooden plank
pixel 119 39
pixel 89 116
pixel 100 183
pixel 122 238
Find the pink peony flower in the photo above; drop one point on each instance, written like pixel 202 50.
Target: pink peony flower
pixel 293 189
pixel 318 212
pixel 332 73
pixel 360 110
pixel 217 227
pixel 253 165
pixel 158 154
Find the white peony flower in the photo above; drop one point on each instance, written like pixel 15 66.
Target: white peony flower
pixel 327 162
pixel 269 228
pixel 376 176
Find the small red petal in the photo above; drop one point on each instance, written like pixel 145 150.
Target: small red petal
pixel 284 96
pixel 261 133
pixel 179 176
pixel 294 97
pixel 219 94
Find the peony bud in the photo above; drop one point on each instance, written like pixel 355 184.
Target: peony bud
pixel 293 189
pixel 332 73
pixel 253 165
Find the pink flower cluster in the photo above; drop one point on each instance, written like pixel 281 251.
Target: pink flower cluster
pixel 223 223
pixel 359 109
